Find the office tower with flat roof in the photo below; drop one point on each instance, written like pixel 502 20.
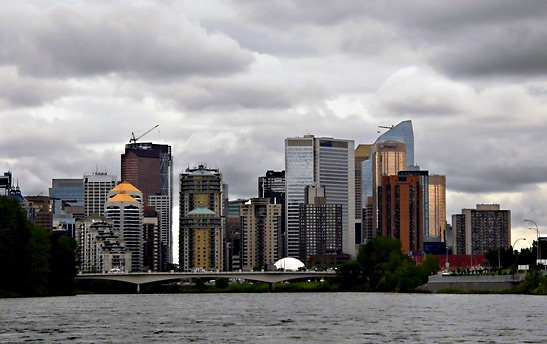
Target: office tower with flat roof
pixel 424 191
pixel 43 213
pixel 482 229
pixel 399 206
pixel 124 207
pixel 437 206
pixel 330 163
pixel 151 240
pixel 201 219
pixel 272 186
pixel 149 167
pixel 232 253
pixel 362 153
pixel 387 158
pixel 68 190
pixel 320 225
pixel 96 189
pixel 260 221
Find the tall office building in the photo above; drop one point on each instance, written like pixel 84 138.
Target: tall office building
pixel 399 208
pixel 320 225
pixel 149 167
pixel 96 189
pixel 478 230
pixel 124 207
pixel 272 186
pixel 43 214
pixel 402 132
pixel 362 153
pixel 151 240
pixel 424 191
pixel 232 253
pixel 67 190
pixel 437 206
pixel 327 162
pixel 201 219
pixel 387 159
pixel 260 221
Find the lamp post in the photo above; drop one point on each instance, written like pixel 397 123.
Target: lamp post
pixel 538 246
pixel 515 242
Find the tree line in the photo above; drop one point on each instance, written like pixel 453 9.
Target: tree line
pixel 33 261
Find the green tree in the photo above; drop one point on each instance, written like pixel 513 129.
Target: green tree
pixel 63 263
pixel 222 283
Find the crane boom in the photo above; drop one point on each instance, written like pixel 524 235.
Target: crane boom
pixel 385 127
pixel 134 140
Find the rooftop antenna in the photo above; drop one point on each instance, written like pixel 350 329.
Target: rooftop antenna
pixel 134 139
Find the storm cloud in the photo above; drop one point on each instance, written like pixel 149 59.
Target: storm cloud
pixel 228 81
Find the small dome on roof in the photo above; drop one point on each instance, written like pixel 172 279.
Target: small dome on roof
pixel 289 263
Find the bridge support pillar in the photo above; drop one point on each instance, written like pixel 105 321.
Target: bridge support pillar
pixel 271 287
pixel 138 288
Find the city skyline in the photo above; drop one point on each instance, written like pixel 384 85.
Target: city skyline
pixel 253 79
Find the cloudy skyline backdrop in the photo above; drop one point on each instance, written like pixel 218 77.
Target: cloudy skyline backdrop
pixel 228 81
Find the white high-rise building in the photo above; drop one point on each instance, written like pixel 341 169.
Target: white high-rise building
pixel 96 188
pixel 125 209
pixel 325 162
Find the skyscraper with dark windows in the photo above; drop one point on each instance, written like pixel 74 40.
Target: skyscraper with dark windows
pixel 327 162
pixel 272 187
pixel 149 167
pixel 399 205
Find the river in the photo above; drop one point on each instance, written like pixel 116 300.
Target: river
pixel 276 318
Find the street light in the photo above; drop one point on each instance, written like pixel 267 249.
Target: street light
pixel 538 246
pixel 515 242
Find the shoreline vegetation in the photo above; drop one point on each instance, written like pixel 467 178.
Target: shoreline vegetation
pixel 35 262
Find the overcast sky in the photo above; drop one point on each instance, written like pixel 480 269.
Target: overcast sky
pixel 227 81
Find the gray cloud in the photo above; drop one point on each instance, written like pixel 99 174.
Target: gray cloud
pixel 139 42
pixel 17 91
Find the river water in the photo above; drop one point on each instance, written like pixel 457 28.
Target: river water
pixel 276 318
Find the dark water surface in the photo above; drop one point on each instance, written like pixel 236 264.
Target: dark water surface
pixel 276 318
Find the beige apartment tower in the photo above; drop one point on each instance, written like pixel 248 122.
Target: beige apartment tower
pixel 260 221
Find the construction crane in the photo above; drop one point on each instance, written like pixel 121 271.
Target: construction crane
pixel 385 127
pixel 134 140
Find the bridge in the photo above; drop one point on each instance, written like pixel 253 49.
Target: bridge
pixel 269 277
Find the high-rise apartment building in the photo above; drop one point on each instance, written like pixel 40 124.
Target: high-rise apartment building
pixel 96 189
pixel 272 186
pixel 43 214
pixel 100 246
pixel 399 208
pixel 437 206
pixel 327 162
pixel 124 207
pixel 478 230
pixel 260 221
pixel 149 167
pixel 320 225
pixel 201 219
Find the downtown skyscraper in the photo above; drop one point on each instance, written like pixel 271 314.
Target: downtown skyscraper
pixel 325 162
pixel 149 167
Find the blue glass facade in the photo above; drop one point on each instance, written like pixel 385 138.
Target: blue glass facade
pixel 402 132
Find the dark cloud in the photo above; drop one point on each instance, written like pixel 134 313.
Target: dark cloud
pixel 140 42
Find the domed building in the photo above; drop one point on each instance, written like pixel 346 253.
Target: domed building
pixel 289 264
